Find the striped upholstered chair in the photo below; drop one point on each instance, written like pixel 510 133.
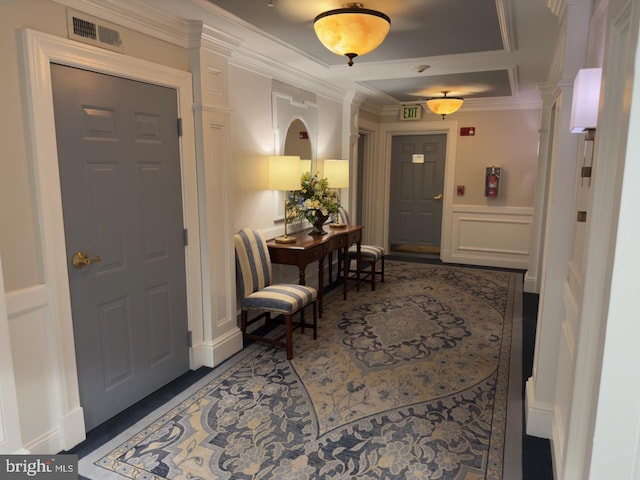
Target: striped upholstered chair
pixel 370 255
pixel 253 267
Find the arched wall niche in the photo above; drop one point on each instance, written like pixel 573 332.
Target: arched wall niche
pixel 294 113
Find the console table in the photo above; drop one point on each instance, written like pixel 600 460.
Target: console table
pixel 308 249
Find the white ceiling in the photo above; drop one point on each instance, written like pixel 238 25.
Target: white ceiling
pixel 491 50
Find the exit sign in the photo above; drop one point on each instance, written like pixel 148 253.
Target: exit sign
pixel 411 112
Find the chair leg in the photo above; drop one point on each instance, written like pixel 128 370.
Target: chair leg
pixel 243 321
pixel 373 276
pixel 382 269
pixel 288 322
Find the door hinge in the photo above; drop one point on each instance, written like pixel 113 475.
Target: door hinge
pixel 585 172
pixel 190 339
pixel 582 216
pixel 185 237
pixel 179 127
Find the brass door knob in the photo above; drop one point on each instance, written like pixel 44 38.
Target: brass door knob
pixel 80 260
pixel 438 197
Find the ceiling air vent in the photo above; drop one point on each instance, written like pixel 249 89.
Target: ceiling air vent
pixel 94 31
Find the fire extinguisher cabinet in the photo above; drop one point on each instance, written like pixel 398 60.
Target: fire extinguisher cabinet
pixel 492 182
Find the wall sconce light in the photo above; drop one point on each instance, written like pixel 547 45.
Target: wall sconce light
pixel 352 30
pixel 284 174
pixel 586 97
pixel 444 105
pixel 337 174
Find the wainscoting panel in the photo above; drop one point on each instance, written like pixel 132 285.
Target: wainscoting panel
pixel 34 367
pixel 10 435
pixel 490 236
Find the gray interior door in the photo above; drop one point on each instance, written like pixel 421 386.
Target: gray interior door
pixel 122 202
pixel 417 183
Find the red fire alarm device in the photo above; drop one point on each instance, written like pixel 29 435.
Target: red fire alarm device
pixel 467 131
pixel 492 182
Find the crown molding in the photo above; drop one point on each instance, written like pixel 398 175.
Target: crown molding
pixel 204 36
pixel 506 25
pixel 249 60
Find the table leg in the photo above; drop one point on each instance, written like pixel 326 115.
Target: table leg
pixel 345 270
pixel 358 266
pixel 301 275
pixel 320 284
pixel 331 267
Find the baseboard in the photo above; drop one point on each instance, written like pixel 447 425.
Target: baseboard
pixel 67 435
pixel 530 283
pixel 539 419
pixel 557 448
pixel 212 354
pixel 73 428
pixel 49 442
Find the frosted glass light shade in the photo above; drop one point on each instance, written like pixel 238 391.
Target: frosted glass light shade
pixel 352 30
pixel 444 105
pixel 586 97
pixel 284 172
pixel 337 173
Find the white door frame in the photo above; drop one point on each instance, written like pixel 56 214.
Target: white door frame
pixel 39 51
pixel 382 183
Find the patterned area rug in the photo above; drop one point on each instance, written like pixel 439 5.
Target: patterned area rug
pixel 410 381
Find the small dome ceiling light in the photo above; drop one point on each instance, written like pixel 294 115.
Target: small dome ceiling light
pixel 444 105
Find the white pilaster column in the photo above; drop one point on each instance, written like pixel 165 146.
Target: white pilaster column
pixel 536 242
pixel 560 217
pixel 220 336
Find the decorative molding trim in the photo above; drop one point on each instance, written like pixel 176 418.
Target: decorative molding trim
pixel 539 418
pixel 530 283
pixel 249 60
pixel 558 444
pixel 226 345
pixel 483 226
pixel 10 430
pixel 506 25
pixel 27 299
pixel 72 431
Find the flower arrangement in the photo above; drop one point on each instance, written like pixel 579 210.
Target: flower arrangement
pixel 314 201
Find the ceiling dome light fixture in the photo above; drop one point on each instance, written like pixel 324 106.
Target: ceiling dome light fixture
pixel 352 30
pixel 444 105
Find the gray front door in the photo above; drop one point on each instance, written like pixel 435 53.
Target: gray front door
pixel 417 183
pixel 122 202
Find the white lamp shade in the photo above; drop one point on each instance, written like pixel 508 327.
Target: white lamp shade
pixel 586 97
pixel 305 166
pixel 284 172
pixel 337 173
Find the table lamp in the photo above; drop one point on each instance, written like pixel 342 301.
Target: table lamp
pixel 337 174
pixel 284 174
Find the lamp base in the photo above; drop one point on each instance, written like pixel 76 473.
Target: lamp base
pixel 285 239
pixel 337 225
